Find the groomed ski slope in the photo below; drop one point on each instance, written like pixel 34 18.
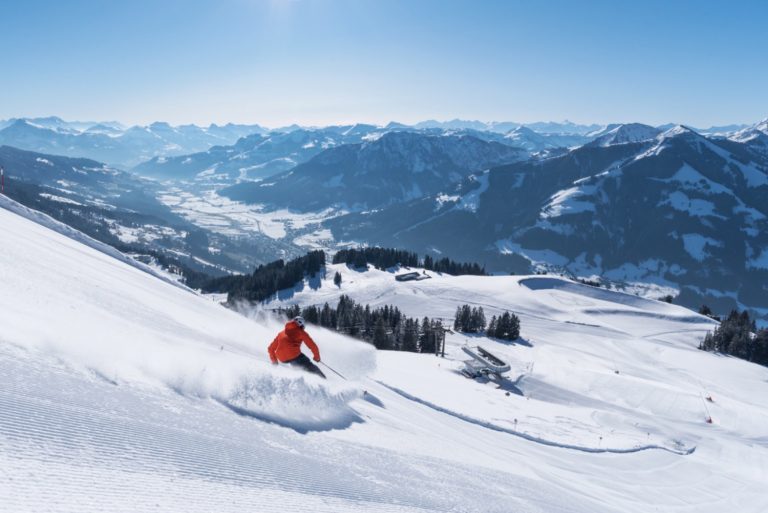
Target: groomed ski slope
pixel 123 392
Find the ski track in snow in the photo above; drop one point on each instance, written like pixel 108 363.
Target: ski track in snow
pixel 531 438
pixel 95 448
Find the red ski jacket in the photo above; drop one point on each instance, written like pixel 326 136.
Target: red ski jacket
pixel 287 344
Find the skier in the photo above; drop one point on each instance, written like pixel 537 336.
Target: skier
pixel 286 348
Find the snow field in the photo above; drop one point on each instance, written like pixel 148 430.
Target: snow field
pixel 564 390
pixel 69 443
pixel 113 320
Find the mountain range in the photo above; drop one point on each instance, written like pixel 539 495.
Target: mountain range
pixel 678 210
pixel 254 156
pixel 113 143
pixel 391 169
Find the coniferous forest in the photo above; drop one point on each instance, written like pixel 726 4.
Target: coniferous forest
pixel 267 279
pixel 385 327
pixel 737 335
pixel 472 320
pixel 384 258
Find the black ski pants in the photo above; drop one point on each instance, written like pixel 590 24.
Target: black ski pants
pixel 305 363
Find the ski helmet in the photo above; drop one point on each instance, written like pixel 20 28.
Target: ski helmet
pixel 299 320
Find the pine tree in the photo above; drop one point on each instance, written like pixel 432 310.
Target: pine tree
pixel 380 339
pixel 311 314
pixel 410 336
pixel 478 320
pixel 508 327
pixel 491 331
pixel 337 279
pixel 457 320
pixel 426 337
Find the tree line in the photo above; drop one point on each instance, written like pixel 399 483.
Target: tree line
pixel 472 320
pixel 737 335
pixel 385 327
pixel 383 258
pixel 266 280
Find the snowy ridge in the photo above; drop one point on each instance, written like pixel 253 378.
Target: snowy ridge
pixel 625 133
pixel 69 232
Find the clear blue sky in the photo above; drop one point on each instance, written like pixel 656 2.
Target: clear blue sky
pixel 276 62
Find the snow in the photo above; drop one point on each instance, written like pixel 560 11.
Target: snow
pixel 675 131
pixel 627 133
pixel 442 198
pixel 146 233
pixel 471 200
pixel 753 176
pixel 373 136
pixel 694 207
pixel 753 214
pixel 561 228
pixel 60 199
pixel 316 240
pixel 691 179
pixel 535 256
pixel 696 245
pixel 760 262
pixel 646 278
pixel 211 211
pixel 123 392
pixel 6 204
pixel 565 202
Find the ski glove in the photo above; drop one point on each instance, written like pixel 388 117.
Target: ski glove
pixel 316 358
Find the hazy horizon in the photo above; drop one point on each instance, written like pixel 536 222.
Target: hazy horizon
pixel 320 63
pixel 379 124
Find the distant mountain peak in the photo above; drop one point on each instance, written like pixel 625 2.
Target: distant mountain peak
pixel 523 130
pixel 625 133
pixel 680 131
pixel 756 132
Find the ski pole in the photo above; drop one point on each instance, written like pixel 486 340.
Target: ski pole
pixel 338 374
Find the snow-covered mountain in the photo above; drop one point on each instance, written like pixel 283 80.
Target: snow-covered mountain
pixel 123 392
pixel 396 167
pixel 623 133
pixel 503 127
pixel 564 127
pixel 534 142
pixel 461 124
pixel 756 136
pixel 262 155
pixel 509 218
pixel 112 143
pixel 681 210
pixel 255 156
